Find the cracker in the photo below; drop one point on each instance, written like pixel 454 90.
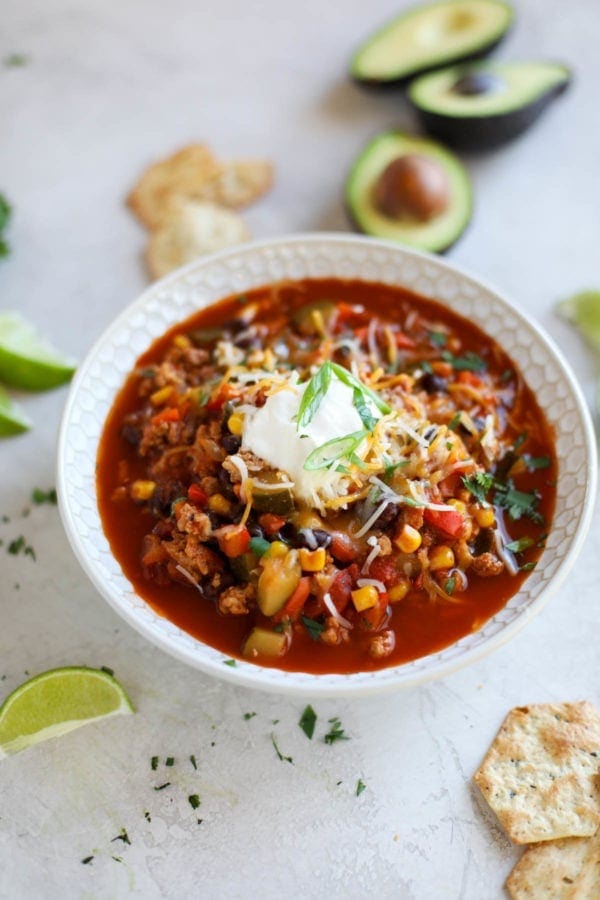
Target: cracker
pixel 568 869
pixel 177 175
pixel 189 230
pixel 540 775
pixel 237 183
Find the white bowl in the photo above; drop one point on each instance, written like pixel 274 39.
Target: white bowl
pixel 321 255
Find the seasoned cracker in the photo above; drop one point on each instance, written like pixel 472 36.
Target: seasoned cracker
pixel 190 230
pixel 540 775
pixel 568 869
pixel 179 174
pixel 237 183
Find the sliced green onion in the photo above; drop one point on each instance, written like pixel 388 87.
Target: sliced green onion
pixel 331 451
pixel 349 379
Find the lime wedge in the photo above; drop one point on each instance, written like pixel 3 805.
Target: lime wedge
pixel 12 418
pixel 583 311
pixel 55 702
pixel 26 361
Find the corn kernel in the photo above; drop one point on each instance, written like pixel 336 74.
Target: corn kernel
pixel 312 560
pixel 458 505
pixel 408 540
pixel 182 341
pixel 276 548
pixel 235 423
pixel 162 395
pixel 365 597
pixel 142 490
pixel 219 504
pixel 485 517
pixel 399 591
pixel 441 557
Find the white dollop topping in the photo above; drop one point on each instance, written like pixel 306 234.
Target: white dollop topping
pixel 271 432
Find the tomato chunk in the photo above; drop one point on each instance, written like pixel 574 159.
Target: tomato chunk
pixel 449 521
pixel 196 495
pixel 233 540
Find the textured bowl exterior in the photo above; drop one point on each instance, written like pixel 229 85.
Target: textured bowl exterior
pixel 313 256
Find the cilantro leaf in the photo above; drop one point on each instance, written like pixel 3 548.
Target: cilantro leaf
pixel 336 732
pixel 438 338
pixel 517 503
pixel 280 755
pixel 520 545
pixel 307 722
pixel 536 462
pixel 313 627
pixel 360 787
pixel 469 362
pixel 479 484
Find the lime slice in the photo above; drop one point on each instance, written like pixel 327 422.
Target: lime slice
pixel 12 418
pixel 26 361
pixel 583 311
pixel 55 702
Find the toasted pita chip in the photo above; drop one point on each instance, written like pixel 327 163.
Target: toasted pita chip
pixel 179 174
pixel 540 775
pixel 237 183
pixel 190 230
pixel 568 869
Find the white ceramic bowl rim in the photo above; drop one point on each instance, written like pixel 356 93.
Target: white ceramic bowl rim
pixel 315 255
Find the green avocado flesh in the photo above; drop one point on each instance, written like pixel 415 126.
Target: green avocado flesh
pixel 435 235
pixel 430 36
pixel 512 86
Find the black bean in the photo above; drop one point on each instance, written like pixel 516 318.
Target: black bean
pixel 289 534
pixel 231 443
pixel 322 537
pixel 226 484
pixel 388 516
pixel 484 542
pixel 255 530
pixel 433 384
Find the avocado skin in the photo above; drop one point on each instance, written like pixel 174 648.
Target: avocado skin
pixel 487 132
pixel 392 84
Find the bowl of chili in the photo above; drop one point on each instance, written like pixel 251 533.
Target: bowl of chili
pixel 325 463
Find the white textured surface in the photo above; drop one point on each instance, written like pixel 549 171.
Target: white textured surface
pixel 250 266
pixel 109 87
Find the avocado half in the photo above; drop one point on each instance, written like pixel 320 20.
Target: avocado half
pixel 435 235
pixel 430 36
pixel 485 105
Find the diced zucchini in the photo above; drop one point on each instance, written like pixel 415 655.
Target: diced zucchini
pixel 278 581
pixel 261 642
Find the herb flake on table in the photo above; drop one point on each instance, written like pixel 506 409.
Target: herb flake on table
pixel 161 787
pixel 280 755
pixel 39 496
pixel 87 860
pixel 193 761
pixel 170 761
pixel 360 787
pixel 249 715
pixel 19 545
pixel 194 801
pixel 15 60
pixel 336 732
pixel 154 763
pixel 123 836
pixel 230 662
pixel 307 721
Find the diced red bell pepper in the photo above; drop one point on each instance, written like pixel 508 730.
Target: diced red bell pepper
pixel 294 605
pixel 225 393
pixel 342 586
pixel 196 495
pixel 233 540
pixel 450 522
pixel 171 414
pixel 403 342
pixel 372 619
pixel 270 523
pixel 466 377
pixel 342 547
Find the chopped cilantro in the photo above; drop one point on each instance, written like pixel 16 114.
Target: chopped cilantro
pixel 519 546
pixel 336 732
pixel 517 503
pixel 20 545
pixel 425 367
pixel 154 763
pixel 527 567
pixel 360 787
pixel 16 61
pixel 541 541
pixel 170 761
pixel 479 484
pixel 194 801
pixel 123 836
pixel 438 338
pixel 313 627
pixel 230 662
pixel 193 761
pixel 249 715
pixel 470 362
pixel 506 375
pixel 38 496
pixel 279 628
pixel 280 755
pixel 450 585
pixel 536 462
pixel 449 445
pixel 308 721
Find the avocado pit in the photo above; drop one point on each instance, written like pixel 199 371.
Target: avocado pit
pixel 412 187
pixel 475 83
